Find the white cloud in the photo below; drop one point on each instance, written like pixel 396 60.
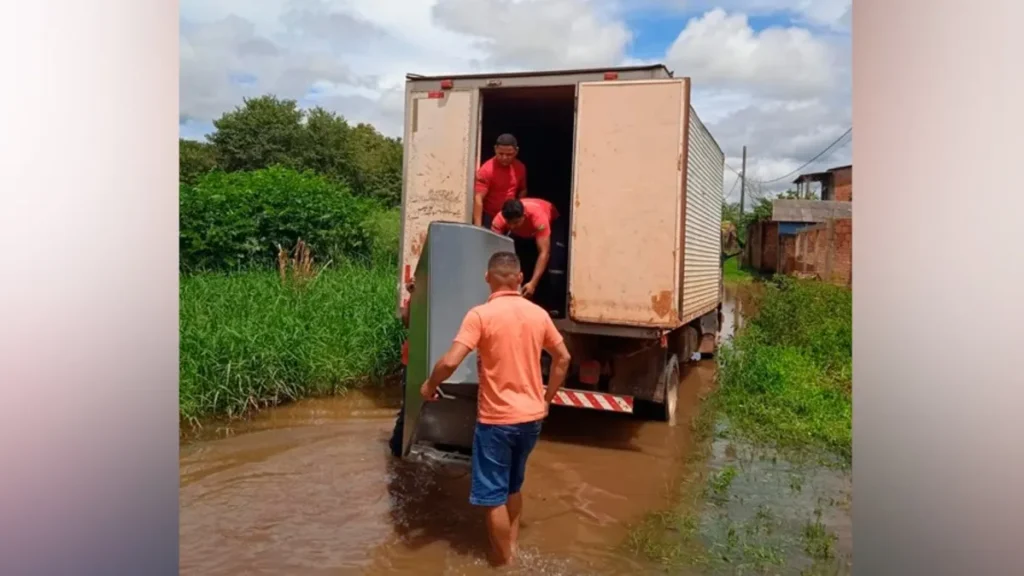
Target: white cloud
pixel 784 92
pixel 722 50
pixel 538 33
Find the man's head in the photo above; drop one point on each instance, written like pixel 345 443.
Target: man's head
pixel 503 272
pixel 513 213
pixel 505 149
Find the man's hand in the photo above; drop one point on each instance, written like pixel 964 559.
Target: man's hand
pixel 428 392
pixel 528 289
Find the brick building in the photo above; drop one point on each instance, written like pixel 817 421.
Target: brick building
pixel 811 238
pixel 836 184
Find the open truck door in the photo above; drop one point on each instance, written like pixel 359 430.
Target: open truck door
pixel 437 169
pixel 645 248
pixel 449 282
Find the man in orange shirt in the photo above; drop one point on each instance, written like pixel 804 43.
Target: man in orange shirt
pixel 508 333
pixel 497 180
pixel 530 219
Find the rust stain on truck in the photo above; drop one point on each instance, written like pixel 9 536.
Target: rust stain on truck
pixel 661 303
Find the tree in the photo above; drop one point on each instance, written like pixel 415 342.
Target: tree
pixel 262 132
pixel 195 159
pixel 269 131
pixel 378 164
pixel 326 149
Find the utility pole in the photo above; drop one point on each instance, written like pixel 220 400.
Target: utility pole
pixel 743 181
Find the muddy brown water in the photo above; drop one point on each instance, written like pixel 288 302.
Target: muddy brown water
pixel 310 488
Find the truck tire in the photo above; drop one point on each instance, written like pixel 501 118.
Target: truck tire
pixel 670 376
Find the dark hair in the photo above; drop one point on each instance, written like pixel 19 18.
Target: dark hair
pixel 507 140
pixel 512 209
pixel 504 263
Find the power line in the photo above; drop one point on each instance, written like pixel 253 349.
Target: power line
pixel 731 190
pixel 811 161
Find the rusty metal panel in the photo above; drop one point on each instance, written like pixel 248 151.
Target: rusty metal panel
pixel 627 202
pixel 702 244
pixel 438 142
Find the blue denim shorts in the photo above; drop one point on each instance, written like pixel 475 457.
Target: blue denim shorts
pixel 499 460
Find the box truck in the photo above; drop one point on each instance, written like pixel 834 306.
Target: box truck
pixel 636 178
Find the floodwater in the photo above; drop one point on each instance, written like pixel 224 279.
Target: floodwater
pixel 310 488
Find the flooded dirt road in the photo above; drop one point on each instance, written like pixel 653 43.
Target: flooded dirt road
pixel 310 488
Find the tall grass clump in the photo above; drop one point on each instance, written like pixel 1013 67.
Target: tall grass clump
pixel 250 340
pixel 786 378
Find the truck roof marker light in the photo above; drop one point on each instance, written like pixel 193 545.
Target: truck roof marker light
pixel 447 84
pixel 611 75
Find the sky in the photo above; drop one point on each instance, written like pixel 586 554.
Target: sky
pixel 772 75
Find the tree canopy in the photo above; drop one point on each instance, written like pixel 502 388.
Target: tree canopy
pixel 269 131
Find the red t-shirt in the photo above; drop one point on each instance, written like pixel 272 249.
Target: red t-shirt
pixel 499 183
pixel 537 217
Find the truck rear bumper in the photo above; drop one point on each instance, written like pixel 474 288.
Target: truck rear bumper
pixel 594 400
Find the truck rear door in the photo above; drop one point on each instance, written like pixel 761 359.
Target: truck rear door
pixel 437 170
pixel 628 202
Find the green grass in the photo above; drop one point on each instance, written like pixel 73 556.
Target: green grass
pixel 733 273
pixel 248 341
pixel 786 379
pixel 784 383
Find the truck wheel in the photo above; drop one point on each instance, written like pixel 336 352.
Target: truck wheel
pixel 670 376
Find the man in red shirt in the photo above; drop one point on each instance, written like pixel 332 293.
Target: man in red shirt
pixel 508 333
pixel 497 180
pixel 529 219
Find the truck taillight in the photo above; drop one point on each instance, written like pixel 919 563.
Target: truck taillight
pixel 447 84
pixel 611 75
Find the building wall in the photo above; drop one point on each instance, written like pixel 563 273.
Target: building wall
pixel 769 247
pixel 823 251
pixel 753 247
pixel 842 182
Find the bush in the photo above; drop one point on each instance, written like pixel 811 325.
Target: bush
pixel 233 221
pixel 247 341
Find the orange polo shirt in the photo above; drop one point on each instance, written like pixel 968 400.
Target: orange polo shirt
pixel 508 333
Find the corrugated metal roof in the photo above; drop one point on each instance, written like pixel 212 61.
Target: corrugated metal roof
pixel 412 76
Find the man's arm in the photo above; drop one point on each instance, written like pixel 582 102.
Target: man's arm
pixel 444 368
pixel 543 255
pixel 555 345
pixel 480 188
pixel 478 209
pixel 522 184
pixel 465 341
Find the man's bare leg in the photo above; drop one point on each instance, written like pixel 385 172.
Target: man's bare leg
pixel 498 528
pixel 515 511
